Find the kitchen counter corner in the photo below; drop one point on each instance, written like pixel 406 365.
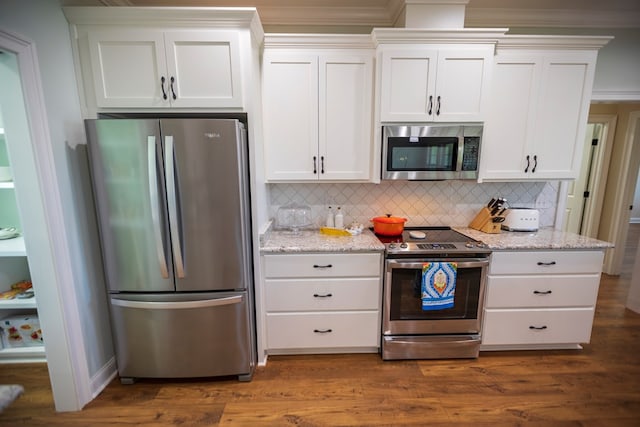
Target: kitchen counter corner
pixel 314 241
pixel 545 238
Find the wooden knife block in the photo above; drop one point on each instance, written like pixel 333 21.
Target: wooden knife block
pixel 484 222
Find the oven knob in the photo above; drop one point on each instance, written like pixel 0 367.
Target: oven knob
pixel 403 245
pixel 481 245
pixel 469 245
pixel 392 245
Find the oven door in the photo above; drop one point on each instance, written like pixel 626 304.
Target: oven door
pixel 402 309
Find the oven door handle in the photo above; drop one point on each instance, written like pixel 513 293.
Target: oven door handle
pixel 465 263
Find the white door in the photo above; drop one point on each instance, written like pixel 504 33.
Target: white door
pixel 345 117
pixel 511 115
pixel 290 114
pixel 462 81
pixel 128 68
pixel 408 85
pixel 576 201
pixel 203 69
pixel 562 110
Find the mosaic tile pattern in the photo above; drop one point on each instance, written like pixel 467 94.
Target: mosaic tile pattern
pixel 453 203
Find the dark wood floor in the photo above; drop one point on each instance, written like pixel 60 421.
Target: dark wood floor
pixel 597 386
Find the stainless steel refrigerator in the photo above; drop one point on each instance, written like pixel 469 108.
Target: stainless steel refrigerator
pixel 172 202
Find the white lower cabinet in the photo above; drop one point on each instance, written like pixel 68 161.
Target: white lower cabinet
pixel 541 299
pixel 323 303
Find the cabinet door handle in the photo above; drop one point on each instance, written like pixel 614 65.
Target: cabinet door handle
pixel 173 92
pixel 546 263
pixel 542 292
pixel 430 104
pixel 315 163
pixel 538 328
pixel 438 107
pixel 527 168
pixel 321 164
pixel 322 331
pixel 164 93
pixel 322 266
pixel 535 164
pixel 322 295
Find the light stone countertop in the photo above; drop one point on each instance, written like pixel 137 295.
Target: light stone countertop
pixel 545 238
pixel 313 241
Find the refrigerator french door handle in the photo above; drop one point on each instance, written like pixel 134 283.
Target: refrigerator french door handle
pixel 176 244
pixel 155 203
pixel 177 305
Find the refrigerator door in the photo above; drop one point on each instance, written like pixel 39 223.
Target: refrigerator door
pixel 182 335
pixel 127 173
pixel 208 202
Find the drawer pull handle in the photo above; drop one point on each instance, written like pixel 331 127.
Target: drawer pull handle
pixel 542 292
pixel 322 266
pixel 322 331
pixel 322 296
pixel 546 263
pixel 538 328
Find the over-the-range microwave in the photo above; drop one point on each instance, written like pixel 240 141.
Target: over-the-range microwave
pixel 430 152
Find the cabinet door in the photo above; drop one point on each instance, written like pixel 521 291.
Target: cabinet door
pixel 408 80
pixel 511 114
pixel 345 110
pixel 290 102
pixel 205 68
pixel 462 84
pixel 127 68
pixel 562 110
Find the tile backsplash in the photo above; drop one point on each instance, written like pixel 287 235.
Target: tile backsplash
pixel 453 202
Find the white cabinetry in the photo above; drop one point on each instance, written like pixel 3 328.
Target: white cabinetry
pixel 318 108
pixel 538 108
pixel 540 299
pixel 423 84
pixel 322 303
pixel 144 68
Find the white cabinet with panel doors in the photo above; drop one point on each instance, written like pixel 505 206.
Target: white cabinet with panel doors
pixel 538 109
pixel 540 299
pixel 323 303
pixel 146 68
pixel 426 84
pixel 318 108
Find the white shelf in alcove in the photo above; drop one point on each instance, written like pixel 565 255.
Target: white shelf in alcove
pixel 18 303
pixel 12 247
pixel 7 184
pixel 23 354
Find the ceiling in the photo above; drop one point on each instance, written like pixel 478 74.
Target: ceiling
pixel 383 13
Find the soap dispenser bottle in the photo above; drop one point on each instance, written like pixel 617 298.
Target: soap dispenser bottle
pixel 329 221
pixel 339 218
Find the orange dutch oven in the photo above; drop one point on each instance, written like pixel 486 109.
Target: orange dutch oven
pixel 388 225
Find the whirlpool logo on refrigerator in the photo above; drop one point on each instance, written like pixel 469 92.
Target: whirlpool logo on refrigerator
pixel 212 135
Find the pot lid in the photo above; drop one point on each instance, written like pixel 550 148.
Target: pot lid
pixel 389 219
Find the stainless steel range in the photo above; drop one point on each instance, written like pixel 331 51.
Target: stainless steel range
pixel 433 294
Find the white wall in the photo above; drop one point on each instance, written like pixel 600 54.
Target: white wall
pixel 635 212
pixel 42 21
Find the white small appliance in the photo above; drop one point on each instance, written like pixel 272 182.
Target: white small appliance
pixel 521 219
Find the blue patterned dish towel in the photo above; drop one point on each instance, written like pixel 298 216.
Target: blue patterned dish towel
pixel 438 285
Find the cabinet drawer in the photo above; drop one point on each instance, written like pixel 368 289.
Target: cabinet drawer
pixel 323 265
pixel 322 330
pixel 546 262
pixel 537 326
pixel 577 290
pixel 322 294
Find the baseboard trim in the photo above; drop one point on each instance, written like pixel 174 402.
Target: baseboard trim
pixel 103 377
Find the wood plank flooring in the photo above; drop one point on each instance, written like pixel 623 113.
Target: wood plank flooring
pixel 598 386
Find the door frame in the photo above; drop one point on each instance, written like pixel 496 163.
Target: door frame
pixel 46 239
pixel 599 174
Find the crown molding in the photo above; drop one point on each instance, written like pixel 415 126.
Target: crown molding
pixel 328 41
pixel 553 42
pixel 463 35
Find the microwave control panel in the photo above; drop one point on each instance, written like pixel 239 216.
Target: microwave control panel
pixel 471 153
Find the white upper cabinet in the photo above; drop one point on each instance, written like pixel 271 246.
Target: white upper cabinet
pixel 317 107
pixel 537 112
pixel 132 68
pixel 426 84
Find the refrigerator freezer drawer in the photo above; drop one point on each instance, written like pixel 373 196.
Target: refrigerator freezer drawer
pixel 184 338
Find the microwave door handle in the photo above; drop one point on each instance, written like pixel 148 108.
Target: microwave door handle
pixel 460 159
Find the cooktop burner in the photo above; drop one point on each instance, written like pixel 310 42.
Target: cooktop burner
pixel 434 241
